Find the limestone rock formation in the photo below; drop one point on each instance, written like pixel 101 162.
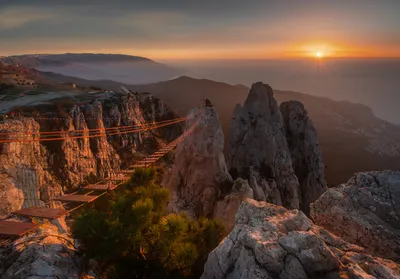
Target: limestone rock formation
pixel 74 156
pixel 227 207
pixel 199 171
pixel 108 161
pixel 306 154
pixel 364 211
pixel 258 148
pixel 124 111
pixel 25 177
pixel 47 253
pixel 31 172
pixel 269 241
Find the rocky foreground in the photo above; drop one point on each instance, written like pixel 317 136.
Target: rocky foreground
pixel 364 211
pixel 269 241
pixel 49 252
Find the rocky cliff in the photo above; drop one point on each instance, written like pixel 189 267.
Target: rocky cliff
pixel 269 241
pixel 32 172
pixel 74 157
pixel 199 173
pixel 25 176
pixel 364 211
pixel 305 152
pixel 258 149
pixel 107 159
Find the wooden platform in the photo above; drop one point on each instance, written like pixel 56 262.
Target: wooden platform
pixel 42 212
pixel 116 178
pixel 11 228
pixel 76 198
pixel 100 187
pixel 127 171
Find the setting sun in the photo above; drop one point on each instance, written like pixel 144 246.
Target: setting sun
pixel 318 54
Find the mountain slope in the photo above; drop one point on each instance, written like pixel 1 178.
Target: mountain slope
pixel 121 68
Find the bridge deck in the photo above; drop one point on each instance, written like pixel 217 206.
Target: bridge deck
pixel 76 198
pixel 121 177
pixel 42 212
pixel 127 171
pixel 100 187
pixel 11 228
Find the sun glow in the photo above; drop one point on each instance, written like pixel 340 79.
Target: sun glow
pixel 318 54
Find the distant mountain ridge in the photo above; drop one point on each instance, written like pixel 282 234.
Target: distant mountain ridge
pixel 34 60
pixel 93 66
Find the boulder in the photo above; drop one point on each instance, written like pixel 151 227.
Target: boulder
pixel 269 241
pixel 364 211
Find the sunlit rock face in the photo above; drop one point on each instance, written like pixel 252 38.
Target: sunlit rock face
pixel 106 157
pixel 33 172
pixel 48 252
pixel 258 149
pixel 124 111
pixel 199 172
pixel 364 211
pixel 269 241
pixel 74 156
pixel 25 179
pixel 305 151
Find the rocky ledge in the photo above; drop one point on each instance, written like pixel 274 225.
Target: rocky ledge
pixel 269 241
pixel 48 252
pixel 364 211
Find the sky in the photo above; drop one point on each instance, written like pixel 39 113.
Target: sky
pixel 202 29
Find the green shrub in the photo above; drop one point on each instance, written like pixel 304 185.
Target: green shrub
pixel 142 176
pixel 136 238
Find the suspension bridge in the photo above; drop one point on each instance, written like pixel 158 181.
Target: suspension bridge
pixel 20 222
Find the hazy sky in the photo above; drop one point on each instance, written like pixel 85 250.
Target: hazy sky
pixel 187 29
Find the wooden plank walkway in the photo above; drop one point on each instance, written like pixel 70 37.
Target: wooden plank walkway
pixel 76 198
pixel 100 187
pixel 42 212
pixel 12 228
pixel 119 177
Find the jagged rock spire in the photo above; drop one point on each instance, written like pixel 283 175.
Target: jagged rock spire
pixel 258 149
pixel 306 155
pixel 199 173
